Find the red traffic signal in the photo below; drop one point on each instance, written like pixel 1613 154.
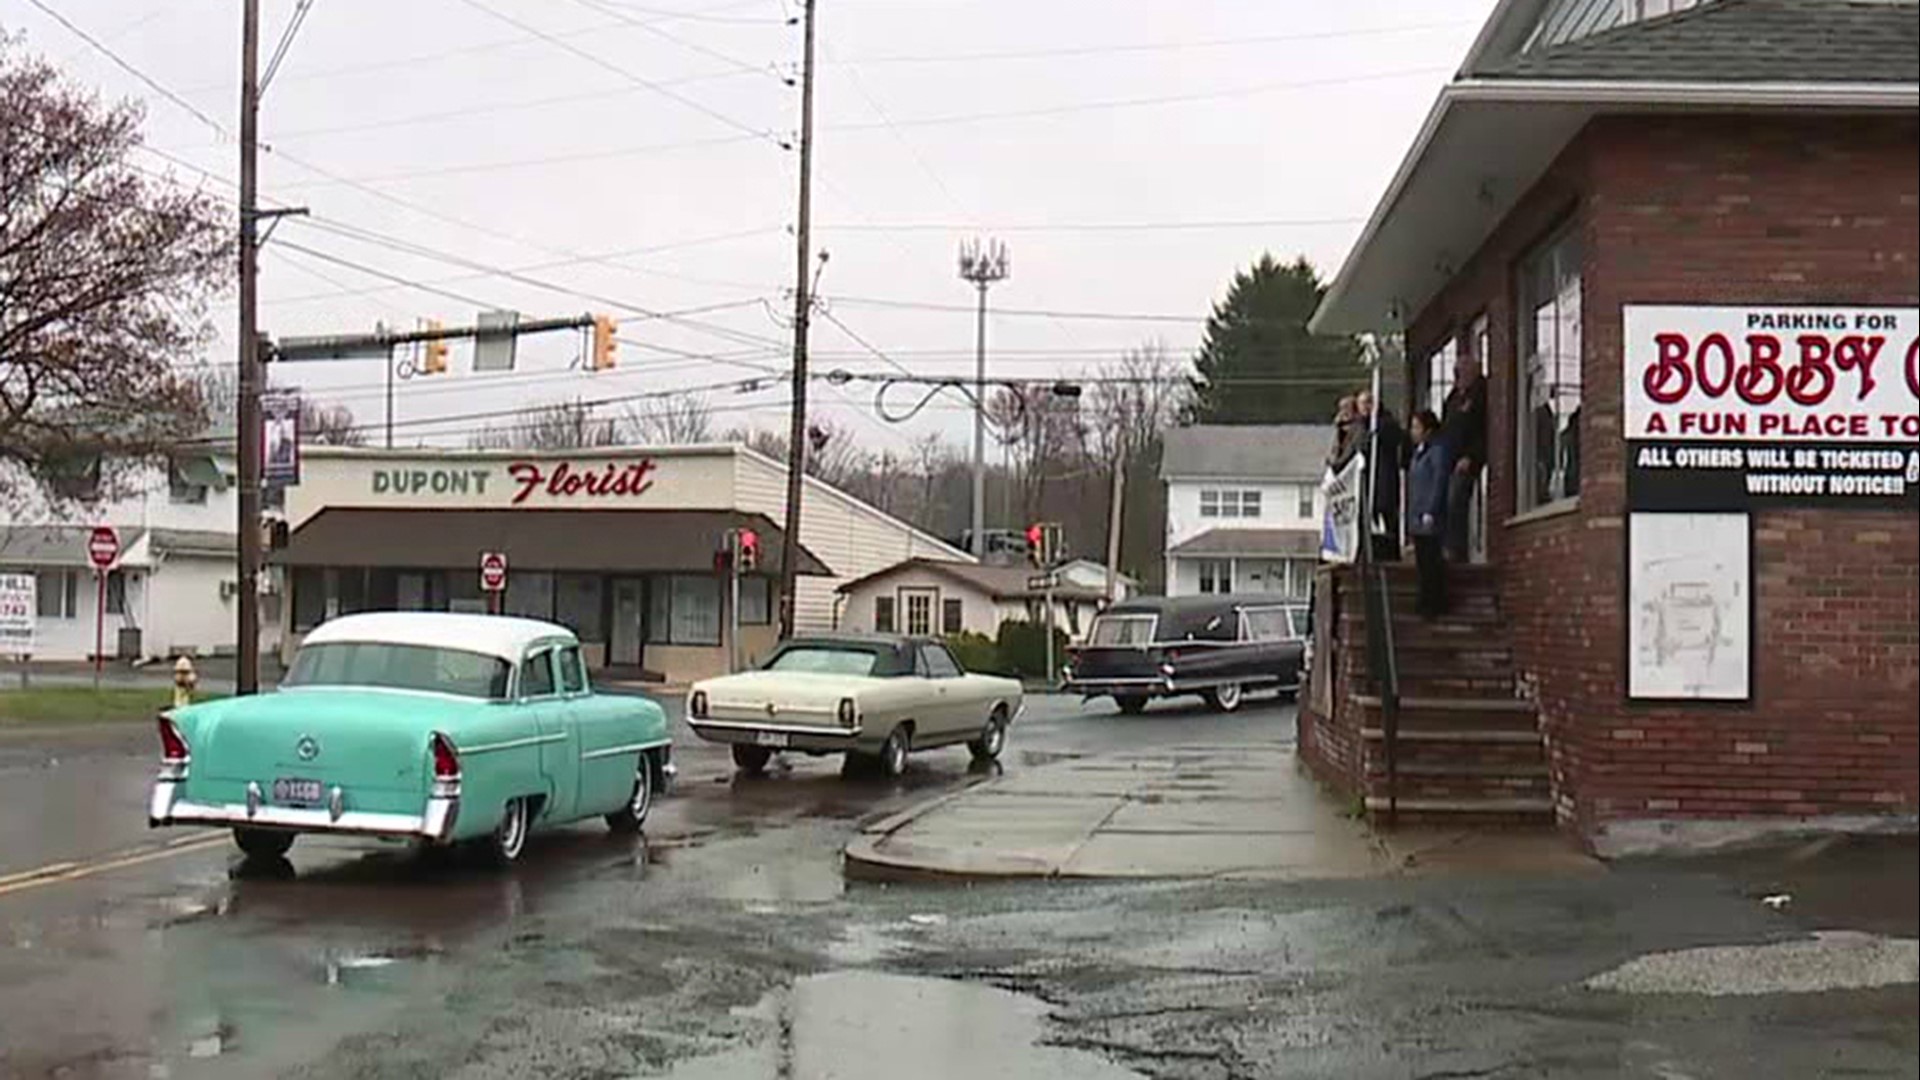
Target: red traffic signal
pixel 749 542
pixel 1037 545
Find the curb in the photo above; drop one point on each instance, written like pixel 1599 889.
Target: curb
pixel 862 859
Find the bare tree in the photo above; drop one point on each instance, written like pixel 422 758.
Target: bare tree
pixel 105 276
pixel 569 425
pixel 1132 400
pixel 329 425
pixel 677 420
pixel 831 455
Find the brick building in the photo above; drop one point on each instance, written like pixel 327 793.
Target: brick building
pixel 1682 240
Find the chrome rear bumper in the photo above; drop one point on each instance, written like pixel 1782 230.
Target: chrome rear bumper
pixel 435 823
pixel 798 736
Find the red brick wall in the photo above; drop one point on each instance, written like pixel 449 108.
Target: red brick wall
pixel 1712 210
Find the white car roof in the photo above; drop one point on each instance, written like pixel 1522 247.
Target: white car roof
pixel 493 635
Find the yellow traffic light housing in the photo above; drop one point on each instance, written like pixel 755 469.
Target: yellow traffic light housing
pixel 434 360
pixel 604 331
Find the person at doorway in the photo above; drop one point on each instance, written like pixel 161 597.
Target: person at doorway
pixel 1463 428
pixel 1429 475
pixel 1390 456
pixel 1343 428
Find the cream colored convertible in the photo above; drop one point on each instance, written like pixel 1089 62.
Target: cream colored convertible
pixel 875 699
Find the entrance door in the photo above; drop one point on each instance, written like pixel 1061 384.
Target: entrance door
pixel 624 635
pixel 917 611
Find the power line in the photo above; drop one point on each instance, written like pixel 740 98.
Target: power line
pixel 371 237
pixel 553 265
pixel 472 111
pixel 667 92
pixel 827 314
pixel 887 123
pixel 694 46
pixel 1095 316
pixel 1100 226
pixel 157 88
pixel 1155 46
pixel 286 42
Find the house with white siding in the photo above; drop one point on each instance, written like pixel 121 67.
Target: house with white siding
pixel 1244 508
pixel 171 592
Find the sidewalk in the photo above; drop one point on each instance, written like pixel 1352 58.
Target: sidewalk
pixel 1216 811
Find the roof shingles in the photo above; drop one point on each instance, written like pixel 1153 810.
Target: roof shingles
pixel 1767 41
pixel 1247 452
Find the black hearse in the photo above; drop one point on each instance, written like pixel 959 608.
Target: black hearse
pixel 1218 647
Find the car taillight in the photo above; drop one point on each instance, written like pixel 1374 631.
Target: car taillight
pixel 849 712
pixel 446 763
pixel 697 705
pixel 174 753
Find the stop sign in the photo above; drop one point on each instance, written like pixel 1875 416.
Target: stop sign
pixel 493 571
pixel 103 547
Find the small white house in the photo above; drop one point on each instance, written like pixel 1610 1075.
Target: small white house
pixel 936 597
pixel 172 590
pixel 1244 508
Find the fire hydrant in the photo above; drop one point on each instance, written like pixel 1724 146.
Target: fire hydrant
pixel 184 680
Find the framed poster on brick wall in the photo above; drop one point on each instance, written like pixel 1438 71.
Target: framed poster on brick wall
pixel 1739 408
pixel 1689 607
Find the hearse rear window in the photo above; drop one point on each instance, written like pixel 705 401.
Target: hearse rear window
pixel 1123 630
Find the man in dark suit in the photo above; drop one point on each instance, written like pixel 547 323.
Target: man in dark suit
pixel 1463 428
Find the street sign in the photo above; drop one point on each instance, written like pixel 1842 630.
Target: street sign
pixel 103 547
pixel 19 605
pixel 493 571
pixel 1042 582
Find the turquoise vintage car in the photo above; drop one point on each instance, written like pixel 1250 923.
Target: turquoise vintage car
pixel 436 728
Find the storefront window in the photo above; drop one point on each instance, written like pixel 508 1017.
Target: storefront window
pixel 578 604
pixel 684 610
pixel 1547 444
pixel 309 598
pixel 530 595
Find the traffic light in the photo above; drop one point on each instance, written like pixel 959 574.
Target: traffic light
pixel 749 545
pixel 1036 545
pixel 604 329
pixel 434 360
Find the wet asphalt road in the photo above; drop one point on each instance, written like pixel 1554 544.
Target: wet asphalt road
pixel 726 946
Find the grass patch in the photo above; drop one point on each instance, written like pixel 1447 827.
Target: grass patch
pixel 83 704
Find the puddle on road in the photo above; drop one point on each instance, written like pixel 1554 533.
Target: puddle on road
pixel 863 1025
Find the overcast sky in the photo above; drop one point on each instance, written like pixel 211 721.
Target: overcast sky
pixel 625 156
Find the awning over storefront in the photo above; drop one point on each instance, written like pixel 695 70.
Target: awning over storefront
pixel 613 541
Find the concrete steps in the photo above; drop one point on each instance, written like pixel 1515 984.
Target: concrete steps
pixel 1468 750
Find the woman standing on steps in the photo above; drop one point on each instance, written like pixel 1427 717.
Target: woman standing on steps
pixel 1428 473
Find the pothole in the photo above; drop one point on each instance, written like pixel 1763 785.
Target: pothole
pixel 865 1025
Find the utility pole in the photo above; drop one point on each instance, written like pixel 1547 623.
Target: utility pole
pixel 247 413
pixel 802 318
pixel 983 266
pixel 1114 518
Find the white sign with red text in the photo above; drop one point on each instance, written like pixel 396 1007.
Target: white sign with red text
pixel 1773 374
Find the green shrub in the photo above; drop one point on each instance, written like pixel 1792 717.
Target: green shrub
pixel 1023 648
pixel 976 653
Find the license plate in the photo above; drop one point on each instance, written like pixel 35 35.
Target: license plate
pixel 296 791
pixel 770 738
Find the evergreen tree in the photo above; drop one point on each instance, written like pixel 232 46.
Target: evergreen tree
pixel 1260 365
